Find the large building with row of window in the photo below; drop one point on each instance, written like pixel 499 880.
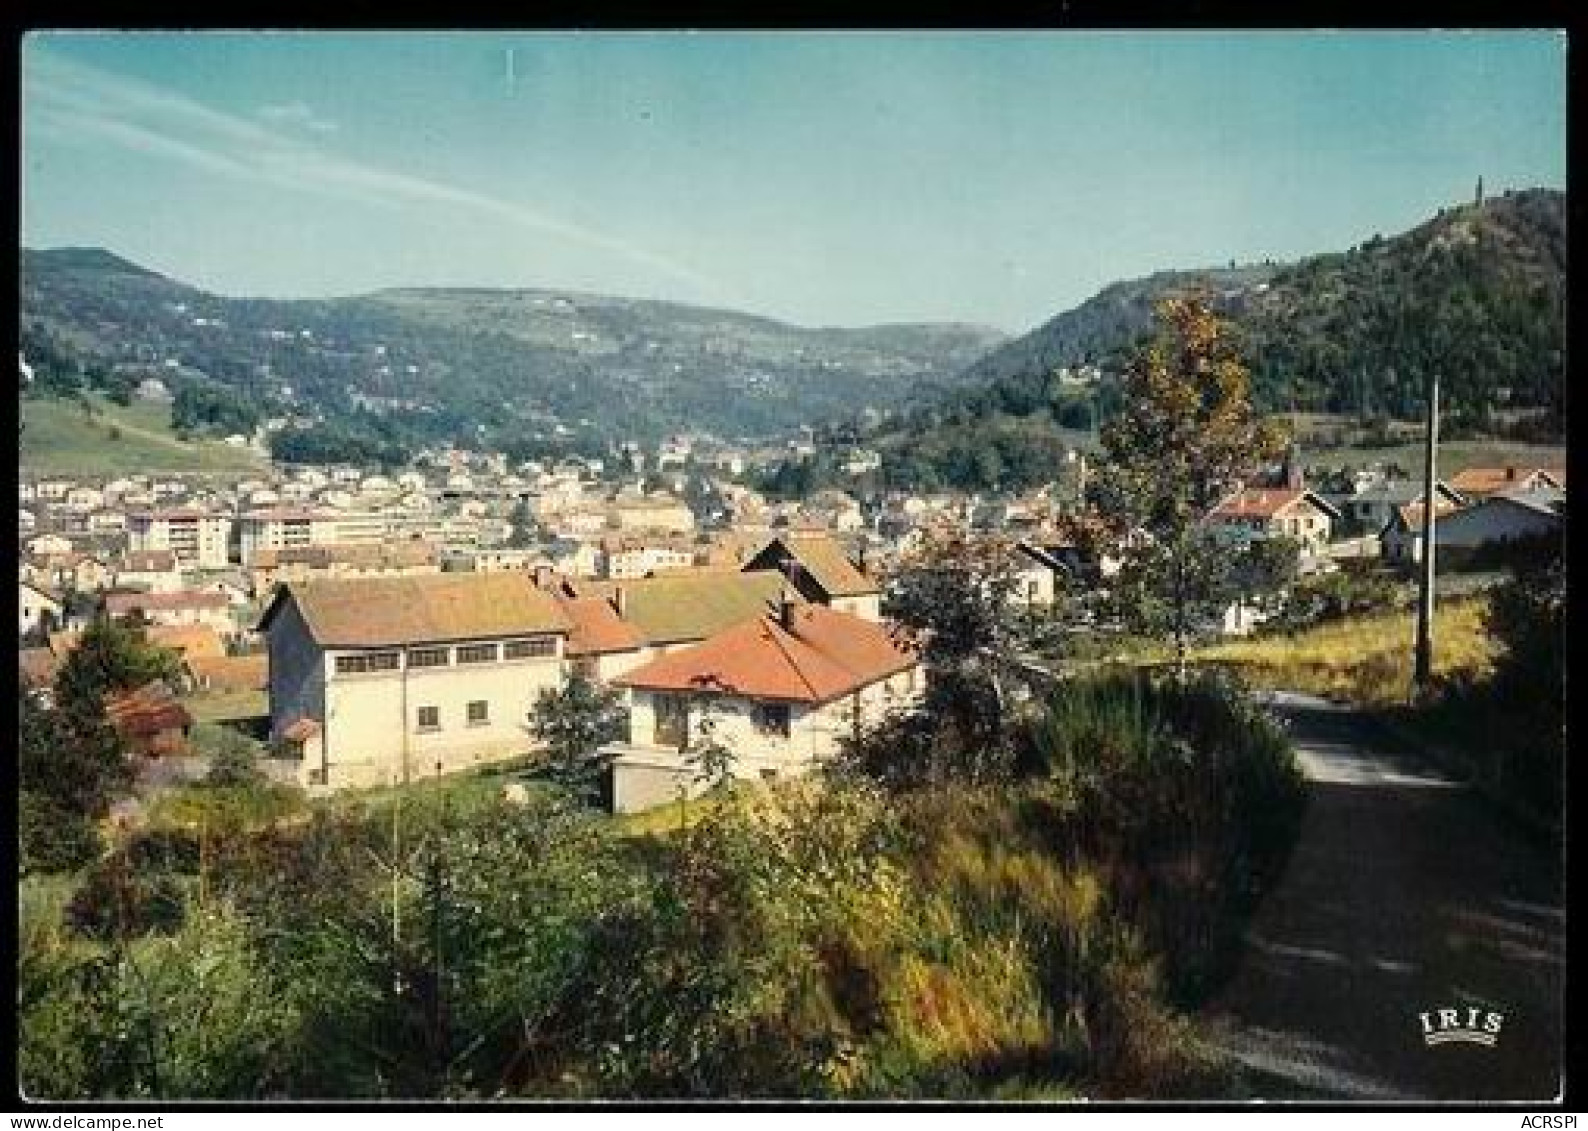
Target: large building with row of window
pixel 382 680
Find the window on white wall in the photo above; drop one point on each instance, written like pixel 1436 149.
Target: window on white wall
pixel 368 662
pixel 429 718
pixel 479 713
pixel 772 719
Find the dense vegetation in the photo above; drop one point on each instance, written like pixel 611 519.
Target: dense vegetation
pixel 444 364
pixel 1031 937
pixel 1505 722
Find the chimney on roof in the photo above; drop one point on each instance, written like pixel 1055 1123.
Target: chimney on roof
pixel 1295 477
pixel 785 609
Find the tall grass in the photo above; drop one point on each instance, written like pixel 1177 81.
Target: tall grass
pixel 1364 660
pixel 1187 798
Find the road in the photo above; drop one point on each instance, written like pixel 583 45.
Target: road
pixel 1404 894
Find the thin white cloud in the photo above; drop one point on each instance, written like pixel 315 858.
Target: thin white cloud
pixel 298 115
pixel 68 100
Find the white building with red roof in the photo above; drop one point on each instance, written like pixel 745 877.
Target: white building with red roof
pixel 780 692
pixel 1257 513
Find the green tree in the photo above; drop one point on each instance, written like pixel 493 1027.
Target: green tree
pixel 70 762
pixel 575 721
pixel 952 598
pixel 1186 436
pixel 525 527
pixel 111 656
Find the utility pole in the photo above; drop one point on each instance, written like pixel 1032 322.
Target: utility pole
pixel 1425 603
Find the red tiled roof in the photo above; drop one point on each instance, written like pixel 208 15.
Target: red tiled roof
pixel 1257 503
pixel 1488 480
pixel 119 604
pixel 190 640
pixel 827 655
pixel 146 711
pixel 820 557
pixel 301 730
pixel 1411 514
pixel 230 673
pixel 597 629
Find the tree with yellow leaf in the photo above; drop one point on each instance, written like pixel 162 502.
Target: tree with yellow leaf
pixel 1187 437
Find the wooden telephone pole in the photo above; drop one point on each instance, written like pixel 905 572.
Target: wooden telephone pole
pixel 1425 603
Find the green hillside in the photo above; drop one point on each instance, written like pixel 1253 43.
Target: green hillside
pixel 414 365
pixel 59 438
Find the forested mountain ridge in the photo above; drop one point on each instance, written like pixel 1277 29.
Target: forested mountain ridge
pixel 452 362
pixel 1477 292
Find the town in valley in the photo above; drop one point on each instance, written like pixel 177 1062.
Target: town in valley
pixel 448 691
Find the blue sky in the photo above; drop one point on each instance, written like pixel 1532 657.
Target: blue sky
pixel 833 179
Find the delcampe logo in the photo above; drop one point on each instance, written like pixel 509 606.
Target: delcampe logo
pixel 1469 1025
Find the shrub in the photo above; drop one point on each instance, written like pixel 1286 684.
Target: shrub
pixel 1186 794
pixel 51 837
pixel 116 902
pixel 234 758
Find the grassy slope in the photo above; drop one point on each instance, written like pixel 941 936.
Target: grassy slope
pixel 1365 660
pixel 59 439
pixel 1454 455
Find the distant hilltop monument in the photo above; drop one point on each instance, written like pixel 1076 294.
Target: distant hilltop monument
pixel 1477 196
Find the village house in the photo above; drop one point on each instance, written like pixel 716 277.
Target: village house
pixel 199 539
pixel 154 571
pixel 836 510
pixel 48 546
pixel 1401 539
pixel 497 559
pixel 779 692
pixel 1038 576
pixel 820 571
pixel 39 610
pixel 1479 482
pixel 82 499
pixel 601 645
pixel 651 513
pixel 271 567
pixel 183 607
pixel 106 522
pixel 86 573
pixel 376 680
pixel 1374 507
pixel 1255 514
pixel 629 557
